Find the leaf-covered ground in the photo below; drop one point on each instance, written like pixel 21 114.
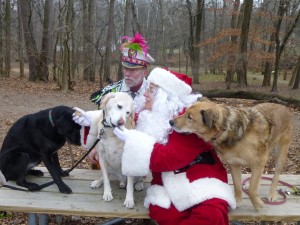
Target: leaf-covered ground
pixel 20 97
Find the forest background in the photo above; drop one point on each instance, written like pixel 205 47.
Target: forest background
pixel 59 52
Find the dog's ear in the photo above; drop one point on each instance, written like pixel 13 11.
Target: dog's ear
pixel 106 98
pixel 63 123
pixel 207 117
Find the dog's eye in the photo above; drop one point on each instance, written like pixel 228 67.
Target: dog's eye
pixel 127 113
pixel 119 106
pixel 189 117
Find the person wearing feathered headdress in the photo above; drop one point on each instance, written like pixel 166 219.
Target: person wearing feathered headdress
pixel 135 61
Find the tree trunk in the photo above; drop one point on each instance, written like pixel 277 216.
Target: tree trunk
pixel 195 39
pixel 20 42
pixel 243 58
pixel 88 40
pixel 109 41
pixel 231 55
pixel 44 55
pixel 31 49
pixel 280 44
pixel 297 76
pixel 7 38
pixel 66 76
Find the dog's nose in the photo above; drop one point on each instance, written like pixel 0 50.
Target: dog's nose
pixel 121 122
pixel 171 122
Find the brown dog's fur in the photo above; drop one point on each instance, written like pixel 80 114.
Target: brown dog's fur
pixel 243 137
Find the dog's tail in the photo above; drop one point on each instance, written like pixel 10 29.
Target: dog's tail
pixel 2 179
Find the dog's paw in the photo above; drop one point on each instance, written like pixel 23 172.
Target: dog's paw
pixel 96 183
pixel 107 197
pixel 65 189
pixel 64 173
pixel 33 187
pixel 122 184
pixel 129 203
pixel 272 197
pixel 139 186
pixel 37 173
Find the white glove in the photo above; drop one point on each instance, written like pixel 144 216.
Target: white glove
pixel 81 117
pixel 121 133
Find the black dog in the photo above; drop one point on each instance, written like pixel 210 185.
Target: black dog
pixel 36 138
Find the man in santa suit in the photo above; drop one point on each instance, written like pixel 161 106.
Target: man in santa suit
pixel 189 185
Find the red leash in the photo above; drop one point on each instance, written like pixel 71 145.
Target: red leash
pixel 280 192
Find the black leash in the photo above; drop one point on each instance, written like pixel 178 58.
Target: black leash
pixel 69 170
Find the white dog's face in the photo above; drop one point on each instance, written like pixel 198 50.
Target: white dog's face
pixel 117 108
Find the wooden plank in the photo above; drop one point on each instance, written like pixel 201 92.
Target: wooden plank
pixel 86 201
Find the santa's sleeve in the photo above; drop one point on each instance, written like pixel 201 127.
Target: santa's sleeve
pixel 137 152
pixel 89 134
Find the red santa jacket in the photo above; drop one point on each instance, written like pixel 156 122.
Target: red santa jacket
pixel 199 183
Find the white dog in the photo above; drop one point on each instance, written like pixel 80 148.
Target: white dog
pixel 116 110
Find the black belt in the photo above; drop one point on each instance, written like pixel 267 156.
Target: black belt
pixel 203 158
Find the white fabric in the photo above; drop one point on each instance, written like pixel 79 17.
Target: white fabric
pixel 121 133
pixel 169 82
pixel 139 55
pixel 137 152
pixel 185 194
pixel 95 116
pixel 157 195
pixel 2 179
pixel 82 119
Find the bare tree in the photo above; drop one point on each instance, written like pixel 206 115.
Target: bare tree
pixel 44 55
pixel 66 74
pixel 231 55
pixel 20 42
pixel 109 41
pixel 297 76
pixel 7 38
pixel 242 63
pixel 280 44
pixel 195 35
pixel 31 49
pixel 88 39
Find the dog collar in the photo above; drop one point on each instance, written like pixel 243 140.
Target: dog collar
pixel 104 122
pixel 50 118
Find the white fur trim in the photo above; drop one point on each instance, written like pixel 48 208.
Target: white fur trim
pixel 157 195
pixel 2 179
pixel 94 117
pixel 169 82
pixel 185 194
pixel 137 152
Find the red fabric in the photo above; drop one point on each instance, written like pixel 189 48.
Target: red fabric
pixel 180 151
pixel 182 77
pixel 210 212
pixel 85 135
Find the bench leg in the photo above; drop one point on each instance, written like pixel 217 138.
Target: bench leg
pixel 113 221
pixel 31 219
pixel 58 219
pixel 235 223
pixel 43 219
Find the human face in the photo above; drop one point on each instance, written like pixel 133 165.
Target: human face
pixel 149 95
pixel 134 77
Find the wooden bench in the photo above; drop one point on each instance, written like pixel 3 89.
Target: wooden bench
pixel 88 202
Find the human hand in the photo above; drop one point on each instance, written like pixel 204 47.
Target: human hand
pixel 121 133
pixel 93 156
pixel 81 117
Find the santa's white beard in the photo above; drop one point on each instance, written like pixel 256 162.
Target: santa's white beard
pixel 154 124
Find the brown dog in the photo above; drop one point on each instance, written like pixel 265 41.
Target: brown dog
pixel 243 137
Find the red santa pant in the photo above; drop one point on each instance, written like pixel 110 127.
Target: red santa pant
pixel 213 211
